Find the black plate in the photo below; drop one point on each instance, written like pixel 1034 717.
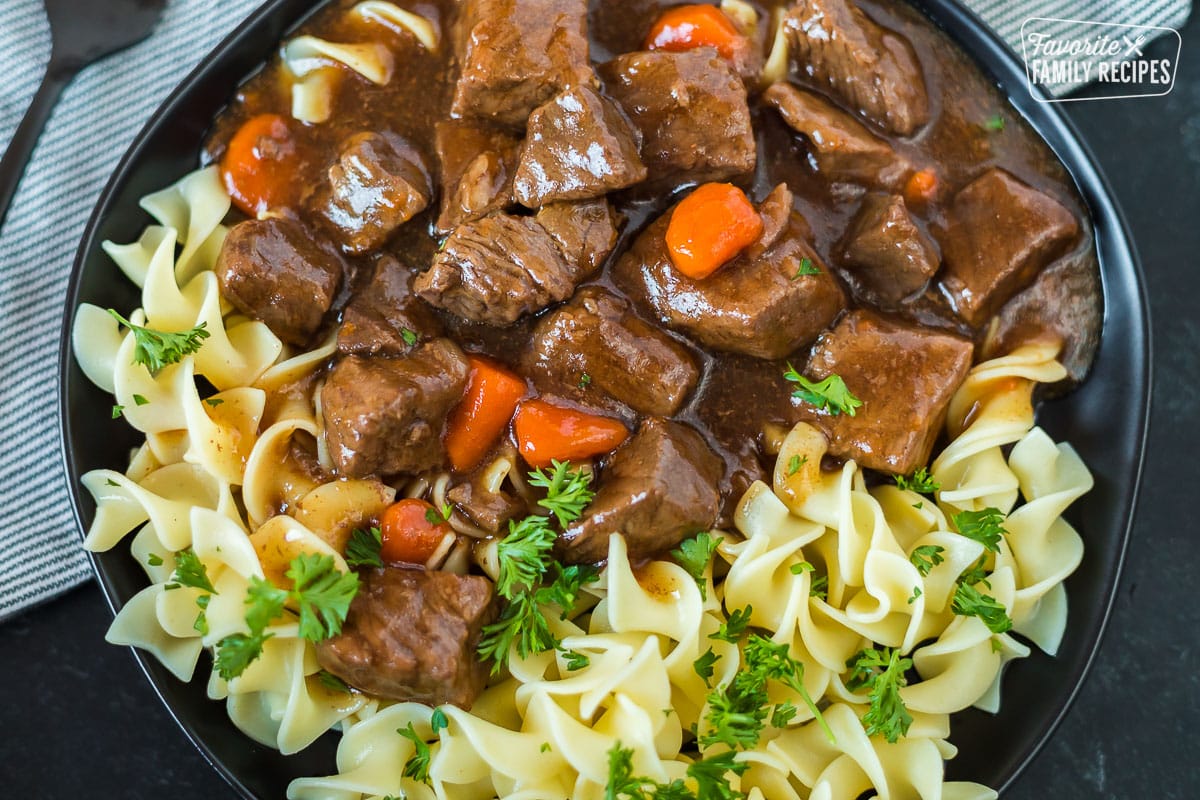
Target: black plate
pixel 1106 420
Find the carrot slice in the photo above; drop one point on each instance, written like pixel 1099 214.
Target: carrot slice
pixel 709 227
pixel 548 433
pixel 411 531
pixel 687 27
pixel 922 187
pixel 260 163
pixel 483 414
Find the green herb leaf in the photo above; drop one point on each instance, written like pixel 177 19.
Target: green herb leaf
pixel 926 557
pixel 438 721
pixel 417 766
pixel 524 554
pixel 332 682
pixel 214 401
pixel 153 559
pixel 575 660
pixel 732 629
pixel 521 625
pixel 567 490
pixel 970 602
pixel 916 593
pixel 157 349
pixel 985 526
pixel 563 591
pixel 323 593
pixel 117 411
pixel 201 623
pixel 882 672
pixel 409 336
pixel 585 381
pixel 705 664
pixel 694 556
pixel 819 587
pixel 364 547
pixel 920 482
pixel 783 714
pixel 140 400
pixel 712 777
pixel 190 571
pixel 795 463
pixel 265 602
pixel 994 123
pixel 806 268
pixel 237 651
pixel 830 395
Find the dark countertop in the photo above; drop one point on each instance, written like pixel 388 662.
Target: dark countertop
pixel 79 720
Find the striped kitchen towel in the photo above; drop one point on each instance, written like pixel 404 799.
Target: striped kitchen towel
pixel 96 119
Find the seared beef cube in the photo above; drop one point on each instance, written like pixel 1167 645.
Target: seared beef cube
pixel 272 270
pixel 656 490
pixel 999 234
pixel 478 165
pixel 691 110
pixel 598 335
pixel 1064 305
pixel 871 69
pixel 496 269
pixel 386 318
pixel 842 148
pixel 516 54
pixel 904 375
pixel 585 232
pixel 385 416
pixel 489 510
pixel 887 251
pixel 761 303
pixel 578 145
pixel 411 636
pixel 378 183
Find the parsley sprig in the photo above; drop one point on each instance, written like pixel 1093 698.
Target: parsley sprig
pixel 970 601
pixel 710 776
pixel 364 548
pixel 694 555
pixel 529 578
pixel 320 592
pixel 830 395
pixel 920 482
pixel 156 349
pixel 985 526
pixel 881 672
pixel 926 557
pixel 417 766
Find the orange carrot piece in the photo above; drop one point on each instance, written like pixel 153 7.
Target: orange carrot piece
pixel 483 414
pixel 548 433
pixel 411 531
pixel 922 187
pixel 260 163
pixel 709 227
pixel 687 27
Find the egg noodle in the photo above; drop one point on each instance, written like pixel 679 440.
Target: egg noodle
pixel 821 562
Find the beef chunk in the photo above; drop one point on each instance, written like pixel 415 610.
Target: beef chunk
pixel 887 251
pixel 385 416
pixel 657 489
pixel 999 234
pixel 579 145
pixel 516 54
pixel 411 636
pixel 758 304
pixel 842 148
pixel 870 69
pixel 585 232
pixel 498 268
pixel 273 270
pixel 489 510
pixel 1065 305
pixel 478 166
pixel 386 316
pixel 597 335
pixel 378 183
pixel 691 110
pixel 904 375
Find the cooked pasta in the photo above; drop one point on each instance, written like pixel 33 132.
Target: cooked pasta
pixel 217 480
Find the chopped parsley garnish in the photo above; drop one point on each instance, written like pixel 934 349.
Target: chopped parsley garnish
pixel 820 587
pixel 157 349
pixel 117 411
pixel 332 682
pixel 920 482
pixel 705 664
pixel 882 673
pixel 201 623
pixel 153 559
pixel 436 517
pixel 970 602
pixel 983 526
pixel 916 593
pixel 585 381
pixel 409 336
pixel 214 401
pixel 806 268
pixel 783 714
pixel 190 571
pixel 575 660
pixel 994 123
pixel 322 593
pixel 830 394
pixel 926 557
pixel 417 766
pixel 524 559
pixel 732 629
pixel 795 463
pixel 710 776
pixel 801 568
pixel 694 555
pixel 438 721
pixel 567 490
pixel 364 547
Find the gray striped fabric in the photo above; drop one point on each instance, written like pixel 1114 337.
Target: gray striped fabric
pixel 93 124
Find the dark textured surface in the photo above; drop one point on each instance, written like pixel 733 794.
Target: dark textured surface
pixel 79 720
